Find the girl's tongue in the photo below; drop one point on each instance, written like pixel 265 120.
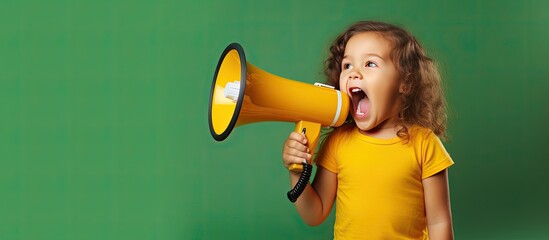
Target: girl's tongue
pixel 362 107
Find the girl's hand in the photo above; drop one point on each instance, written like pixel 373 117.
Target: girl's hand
pixel 295 150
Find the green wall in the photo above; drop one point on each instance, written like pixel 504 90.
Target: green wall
pixel 104 131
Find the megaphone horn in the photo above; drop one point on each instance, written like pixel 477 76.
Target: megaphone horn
pixel 242 93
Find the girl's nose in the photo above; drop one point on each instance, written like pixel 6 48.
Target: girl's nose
pixel 355 75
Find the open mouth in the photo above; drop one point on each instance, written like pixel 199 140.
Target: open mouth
pixel 360 100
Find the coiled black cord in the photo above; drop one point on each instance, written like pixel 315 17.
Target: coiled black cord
pixel 301 183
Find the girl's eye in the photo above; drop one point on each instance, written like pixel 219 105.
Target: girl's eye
pixel 347 66
pixel 371 64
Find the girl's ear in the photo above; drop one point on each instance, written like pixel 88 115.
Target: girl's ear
pixel 403 87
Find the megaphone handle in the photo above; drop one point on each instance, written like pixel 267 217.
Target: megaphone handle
pixel 312 131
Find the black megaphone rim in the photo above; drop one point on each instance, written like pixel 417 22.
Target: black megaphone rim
pixel 236 113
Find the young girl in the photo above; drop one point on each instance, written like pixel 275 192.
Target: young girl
pixel 385 168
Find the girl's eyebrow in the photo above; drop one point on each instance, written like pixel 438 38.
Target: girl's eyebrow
pixel 367 54
pixel 375 55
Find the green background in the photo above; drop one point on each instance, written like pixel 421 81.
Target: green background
pixel 104 131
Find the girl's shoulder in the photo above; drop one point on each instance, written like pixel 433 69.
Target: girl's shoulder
pixel 419 132
pixel 422 136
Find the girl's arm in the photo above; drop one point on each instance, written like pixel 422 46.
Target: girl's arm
pixel 316 201
pixel 437 206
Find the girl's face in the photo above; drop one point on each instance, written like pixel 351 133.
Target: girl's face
pixel 369 78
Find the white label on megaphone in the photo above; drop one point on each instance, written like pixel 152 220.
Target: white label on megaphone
pixel 323 85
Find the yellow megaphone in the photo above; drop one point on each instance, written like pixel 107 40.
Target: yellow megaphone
pixel 242 93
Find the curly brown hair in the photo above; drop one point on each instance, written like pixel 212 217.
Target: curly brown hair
pixel 423 100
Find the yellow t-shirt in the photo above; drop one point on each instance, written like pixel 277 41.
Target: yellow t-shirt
pixel 380 190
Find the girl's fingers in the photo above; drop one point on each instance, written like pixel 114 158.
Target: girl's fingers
pixel 294 159
pixel 299 160
pixel 293 144
pixel 300 137
pixel 293 156
pixel 295 150
pixel 300 154
pixel 299 151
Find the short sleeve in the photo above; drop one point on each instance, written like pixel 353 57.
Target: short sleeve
pixel 435 157
pixel 326 155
